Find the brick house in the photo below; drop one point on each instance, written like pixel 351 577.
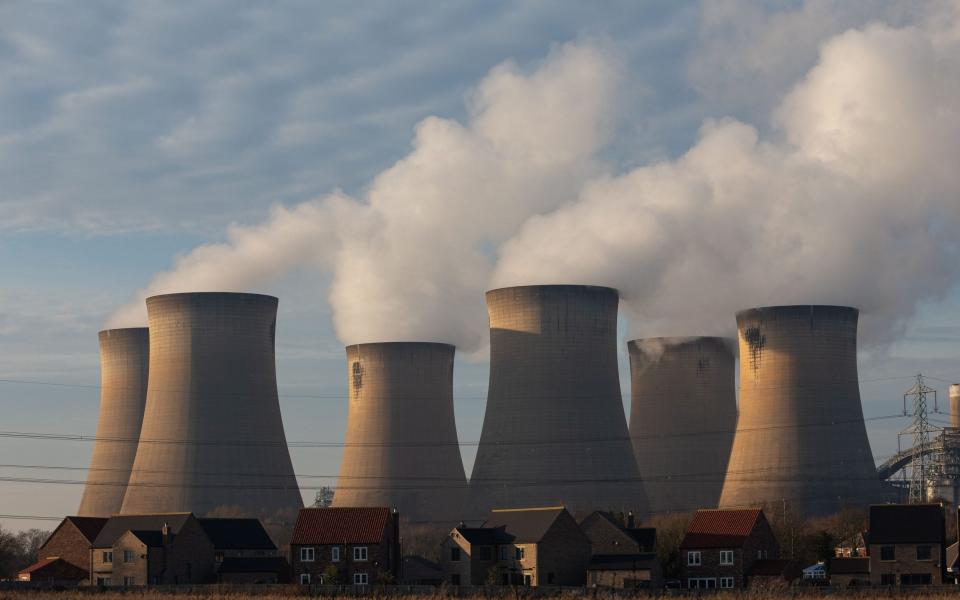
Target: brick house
pixel 65 555
pixel 624 556
pixel 850 572
pixel 468 554
pixel 907 544
pixel 721 547
pixel 346 545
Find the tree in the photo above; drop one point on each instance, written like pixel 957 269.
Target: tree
pixel 331 576
pixel 670 531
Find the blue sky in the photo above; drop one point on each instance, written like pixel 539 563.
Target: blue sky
pixel 130 133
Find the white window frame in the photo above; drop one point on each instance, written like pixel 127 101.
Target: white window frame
pixel 761 554
pixel 106 556
pixel 726 583
pixel 360 553
pixel 304 578
pixel 726 557
pixel 704 580
pixel 694 558
pixel 361 579
pixel 129 556
pixel 335 554
pixel 129 581
pixel 307 554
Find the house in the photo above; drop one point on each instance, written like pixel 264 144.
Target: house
pixel 850 572
pixel 815 573
pixel 471 556
pixel 721 546
pixel 624 556
pixel 243 551
pixel 418 570
pixel 346 545
pixel 135 550
pixel 65 555
pixel 907 544
pixel 853 547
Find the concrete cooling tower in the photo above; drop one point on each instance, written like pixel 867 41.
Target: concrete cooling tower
pixel 554 430
pixel 955 405
pixel 801 443
pixel 401 446
pixel 212 434
pixel 124 362
pixel 683 413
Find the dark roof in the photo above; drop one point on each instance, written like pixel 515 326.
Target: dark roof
pixel 622 562
pixel 253 564
pixel 718 528
pixel 237 534
pixel 485 536
pixel 419 568
pixel 850 566
pixel 153 539
pixel 906 523
pixel 644 537
pixel 343 525
pixel 118 525
pixel 89 527
pixel 526 525
pixel 769 567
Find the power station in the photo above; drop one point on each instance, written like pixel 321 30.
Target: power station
pixel 212 436
pixel 801 444
pixel 124 366
pixel 554 431
pixel 683 413
pixel 401 445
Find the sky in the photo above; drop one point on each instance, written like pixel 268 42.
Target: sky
pixel 378 166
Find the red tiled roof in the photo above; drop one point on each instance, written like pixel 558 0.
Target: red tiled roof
pixel 720 528
pixel 40 564
pixel 344 525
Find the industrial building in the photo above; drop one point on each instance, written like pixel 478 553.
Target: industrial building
pixel 801 444
pixel 683 413
pixel 124 365
pixel 554 432
pixel 401 445
pixel 212 435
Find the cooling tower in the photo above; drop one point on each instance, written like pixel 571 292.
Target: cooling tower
pixel 683 414
pixel 955 405
pixel 801 443
pixel 554 430
pixel 212 434
pixel 124 362
pixel 401 446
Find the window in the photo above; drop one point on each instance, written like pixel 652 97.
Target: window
pixel 761 553
pixel 128 557
pixel 504 553
pixel 455 579
pixel 519 553
pixel 915 579
pixel 107 556
pixel 726 583
pixel 887 552
pixel 306 554
pixel 360 553
pixel 693 558
pixel 360 578
pixel 103 581
pixel 726 558
pixel 454 554
pixel 218 557
pixel 485 553
pixel 304 578
pixel 335 554
pixel 128 581
pixel 527 579
pixel 888 579
pixel 924 553
pixel 702 583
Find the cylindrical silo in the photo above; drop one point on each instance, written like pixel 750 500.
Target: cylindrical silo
pixel 955 405
pixel 801 444
pixel 683 413
pixel 554 430
pixel 401 445
pixel 124 364
pixel 212 435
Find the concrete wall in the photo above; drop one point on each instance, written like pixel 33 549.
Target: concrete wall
pixel 401 444
pixel 801 444
pixel 212 432
pixel 554 430
pixel 124 365
pixel 683 414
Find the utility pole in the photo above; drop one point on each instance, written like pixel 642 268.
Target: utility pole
pixel 920 431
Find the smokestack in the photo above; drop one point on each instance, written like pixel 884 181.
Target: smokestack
pixel 955 405
pixel 212 432
pixel 683 413
pixel 801 444
pixel 554 430
pixel 124 363
pixel 401 446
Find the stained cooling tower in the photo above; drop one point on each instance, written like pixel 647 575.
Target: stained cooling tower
pixel 955 405
pixel 401 446
pixel 124 362
pixel 554 430
pixel 212 434
pixel 801 443
pixel 683 414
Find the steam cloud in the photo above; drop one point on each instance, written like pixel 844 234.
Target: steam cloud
pixel 853 198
